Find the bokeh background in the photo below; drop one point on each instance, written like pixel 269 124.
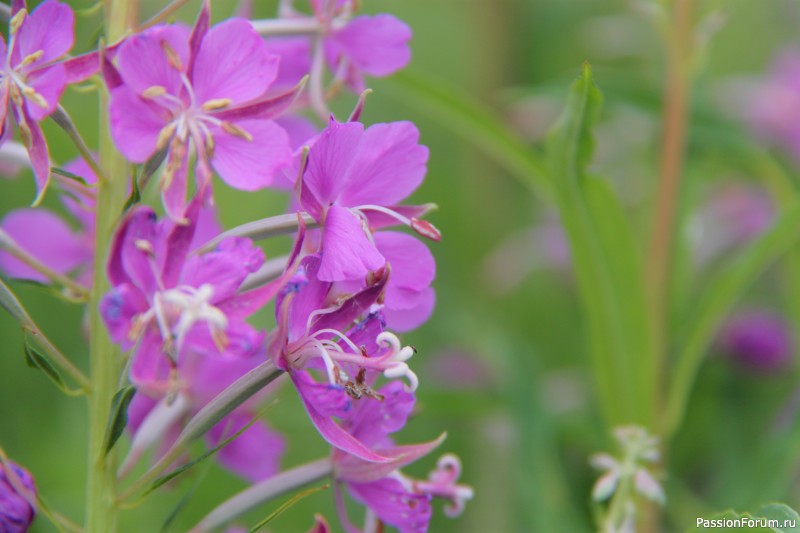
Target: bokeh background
pixel 502 363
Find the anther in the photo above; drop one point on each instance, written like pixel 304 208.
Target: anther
pixel 236 131
pixel 17 20
pixel 32 58
pixel 154 91
pixel 216 103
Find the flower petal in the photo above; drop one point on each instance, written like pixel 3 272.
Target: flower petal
pixel 135 124
pixel 233 63
pixel 251 165
pixel 40 156
pixel 407 319
pixel 389 499
pixel 46 237
pixel 390 165
pixel 49 28
pixel 143 63
pixel 413 268
pixel 49 84
pixel 255 454
pixel 347 253
pixel 328 164
pixel 322 402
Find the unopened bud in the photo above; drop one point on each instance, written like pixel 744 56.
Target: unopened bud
pixel 426 229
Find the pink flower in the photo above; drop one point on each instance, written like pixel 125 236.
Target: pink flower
pixel 352 181
pixel 371 45
pixel 33 77
pixel 171 306
pixel 205 90
pixel 343 340
pixel 392 497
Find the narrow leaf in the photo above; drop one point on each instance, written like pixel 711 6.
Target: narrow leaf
pixel 205 455
pixel 287 504
pixel 118 417
pixel 68 174
pixel 36 359
pixel 606 260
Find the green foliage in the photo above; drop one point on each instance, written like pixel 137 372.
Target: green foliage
pixel 34 358
pixel 118 416
pixel 286 505
pixel 606 261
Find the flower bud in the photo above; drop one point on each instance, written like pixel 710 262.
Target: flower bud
pixel 17 492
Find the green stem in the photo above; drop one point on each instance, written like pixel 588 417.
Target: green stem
pixel 673 154
pixel 105 358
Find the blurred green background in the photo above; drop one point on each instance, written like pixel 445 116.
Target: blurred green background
pixel 503 372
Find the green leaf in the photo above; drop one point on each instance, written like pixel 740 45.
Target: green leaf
pixel 606 260
pixel 68 174
pixel 118 417
pixel 183 468
pixel 455 110
pixel 714 303
pixel 287 504
pixel 36 359
pixel 135 196
pixel 170 520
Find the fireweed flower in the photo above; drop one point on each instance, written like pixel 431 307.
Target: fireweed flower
pixel 341 338
pixel 372 45
pixel 33 76
pixel 17 494
pixel 157 421
pixel 351 182
pixel 167 303
pixel 758 339
pixel 389 495
pixel 201 91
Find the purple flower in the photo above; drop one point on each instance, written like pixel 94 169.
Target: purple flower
pixel 372 45
pixel 17 498
pixel 343 340
pixel 205 89
pixel 157 421
pixel 758 339
pixel 352 181
pixel 170 305
pixel 32 77
pixel 389 495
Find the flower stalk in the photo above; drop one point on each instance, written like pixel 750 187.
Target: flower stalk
pixel 105 358
pixel 267 490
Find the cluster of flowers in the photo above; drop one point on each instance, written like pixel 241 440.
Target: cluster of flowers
pixel 225 99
